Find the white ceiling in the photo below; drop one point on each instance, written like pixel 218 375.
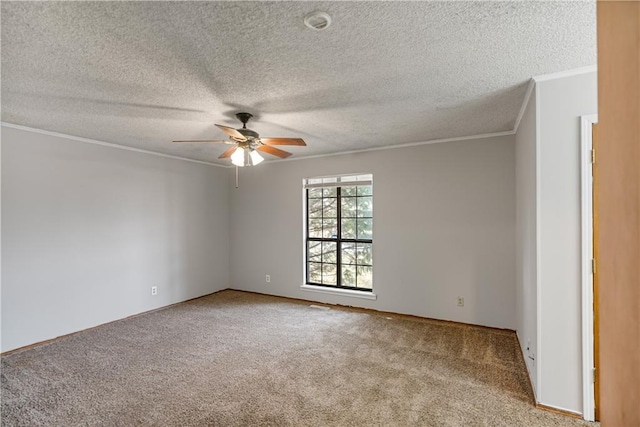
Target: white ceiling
pixel 143 73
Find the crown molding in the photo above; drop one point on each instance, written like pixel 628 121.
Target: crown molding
pixel 106 144
pixel 567 73
pixel 525 102
pixel 546 77
pixel 390 147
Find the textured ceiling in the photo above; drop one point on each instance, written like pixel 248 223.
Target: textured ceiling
pixel 144 73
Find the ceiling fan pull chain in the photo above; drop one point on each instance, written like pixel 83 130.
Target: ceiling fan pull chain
pixel 236 176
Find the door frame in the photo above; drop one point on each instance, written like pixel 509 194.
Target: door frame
pixel 586 189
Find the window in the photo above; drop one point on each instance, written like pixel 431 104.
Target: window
pixel 339 232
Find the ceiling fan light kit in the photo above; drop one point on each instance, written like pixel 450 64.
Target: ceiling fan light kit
pixel 246 144
pixel 246 157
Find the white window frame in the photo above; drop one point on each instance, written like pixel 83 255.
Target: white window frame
pixel 328 181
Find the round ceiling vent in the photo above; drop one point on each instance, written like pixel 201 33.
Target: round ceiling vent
pixel 317 20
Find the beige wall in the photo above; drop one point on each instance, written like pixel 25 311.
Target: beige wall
pixel 444 226
pixel 526 238
pixel 560 104
pixel 87 230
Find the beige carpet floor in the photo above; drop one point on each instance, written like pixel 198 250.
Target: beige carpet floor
pixel 241 359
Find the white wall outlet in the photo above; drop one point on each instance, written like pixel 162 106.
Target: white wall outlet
pixel 267 279
pixel 460 302
pixel 154 290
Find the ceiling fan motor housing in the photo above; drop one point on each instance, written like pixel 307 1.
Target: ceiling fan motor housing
pixel 248 133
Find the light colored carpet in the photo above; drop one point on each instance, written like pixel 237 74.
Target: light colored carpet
pixel 241 359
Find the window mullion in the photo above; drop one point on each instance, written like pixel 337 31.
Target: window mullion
pixel 322 236
pixel 307 245
pixel 339 239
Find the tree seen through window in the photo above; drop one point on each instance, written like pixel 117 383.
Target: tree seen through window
pixel 340 235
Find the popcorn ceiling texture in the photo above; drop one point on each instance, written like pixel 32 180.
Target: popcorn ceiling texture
pixel 143 73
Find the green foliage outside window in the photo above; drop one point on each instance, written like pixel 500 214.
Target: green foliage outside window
pixel 339 236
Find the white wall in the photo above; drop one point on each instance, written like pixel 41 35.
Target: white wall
pixel 444 225
pixel 88 229
pixel 526 243
pixel 561 102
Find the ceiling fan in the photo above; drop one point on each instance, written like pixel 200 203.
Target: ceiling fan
pixel 246 144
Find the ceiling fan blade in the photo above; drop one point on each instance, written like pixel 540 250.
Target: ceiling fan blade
pixel 232 132
pixel 274 151
pixel 216 141
pixel 283 141
pixel 228 152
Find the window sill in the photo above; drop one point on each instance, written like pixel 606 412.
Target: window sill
pixel 337 291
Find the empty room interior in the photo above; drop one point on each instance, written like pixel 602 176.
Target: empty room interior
pixel 320 213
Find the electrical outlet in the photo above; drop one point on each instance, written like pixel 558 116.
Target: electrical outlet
pixel 460 302
pixel 267 278
pixel 154 290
